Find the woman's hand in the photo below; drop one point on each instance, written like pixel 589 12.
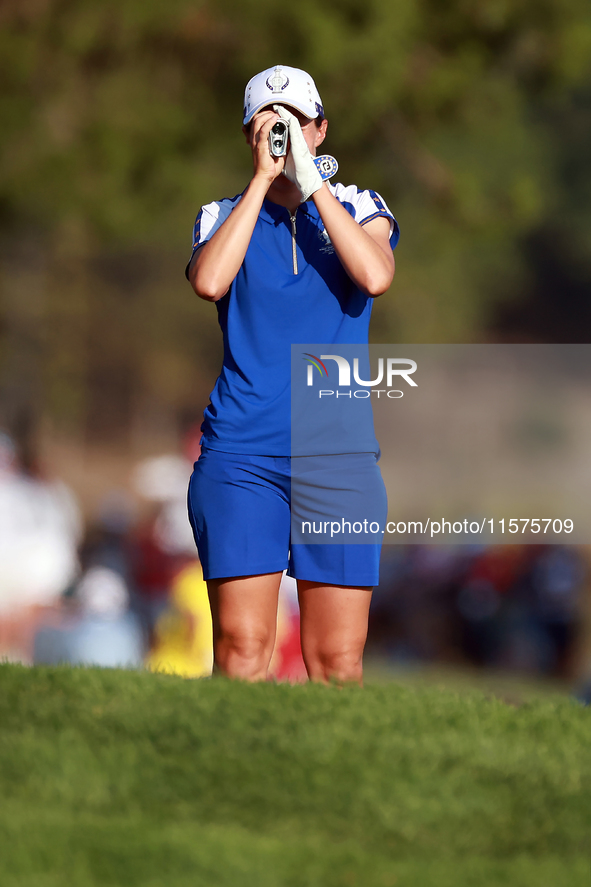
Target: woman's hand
pixel 265 165
pixel 215 264
pixel 299 165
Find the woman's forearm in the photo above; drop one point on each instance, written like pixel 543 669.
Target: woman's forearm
pixel 366 257
pixel 215 265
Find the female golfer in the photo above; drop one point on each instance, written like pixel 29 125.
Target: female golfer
pixel 290 260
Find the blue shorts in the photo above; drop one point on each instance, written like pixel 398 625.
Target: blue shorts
pixel 240 513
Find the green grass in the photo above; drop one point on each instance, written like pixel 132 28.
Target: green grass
pixel 124 778
pixel 513 687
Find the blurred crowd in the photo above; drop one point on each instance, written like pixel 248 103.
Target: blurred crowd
pixel 512 607
pixel 125 588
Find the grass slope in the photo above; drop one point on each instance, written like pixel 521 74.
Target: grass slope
pixel 124 778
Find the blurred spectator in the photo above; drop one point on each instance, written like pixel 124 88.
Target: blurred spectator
pixel 40 527
pixel 162 544
pixel 486 599
pixel 95 627
pixel 106 538
pixel 412 616
pixel 183 642
pixel 556 580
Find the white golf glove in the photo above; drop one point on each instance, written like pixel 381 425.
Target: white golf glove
pixel 299 163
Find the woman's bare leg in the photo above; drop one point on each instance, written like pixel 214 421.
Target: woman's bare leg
pixel 334 631
pixel 244 613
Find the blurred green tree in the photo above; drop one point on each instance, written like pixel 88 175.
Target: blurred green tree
pixel 119 119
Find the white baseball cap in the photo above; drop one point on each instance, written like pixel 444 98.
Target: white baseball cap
pixel 282 85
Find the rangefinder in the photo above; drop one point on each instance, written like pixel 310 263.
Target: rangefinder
pixel 278 138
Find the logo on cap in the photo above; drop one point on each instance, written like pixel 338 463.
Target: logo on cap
pixel 277 82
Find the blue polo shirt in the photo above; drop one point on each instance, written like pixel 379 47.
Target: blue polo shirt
pixel 291 288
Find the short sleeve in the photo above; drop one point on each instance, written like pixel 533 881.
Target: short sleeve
pixel 211 217
pixel 365 206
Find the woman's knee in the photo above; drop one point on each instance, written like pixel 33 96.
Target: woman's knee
pixel 243 655
pixel 343 666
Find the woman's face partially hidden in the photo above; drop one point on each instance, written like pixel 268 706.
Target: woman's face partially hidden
pixel 314 135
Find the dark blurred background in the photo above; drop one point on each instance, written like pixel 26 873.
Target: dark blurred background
pixel 120 119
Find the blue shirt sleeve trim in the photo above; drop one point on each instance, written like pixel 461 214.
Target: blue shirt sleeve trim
pixel 395 235
pixel 195 248
pixel 196 244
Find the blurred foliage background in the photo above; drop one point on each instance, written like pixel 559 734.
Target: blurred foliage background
pixel 120 119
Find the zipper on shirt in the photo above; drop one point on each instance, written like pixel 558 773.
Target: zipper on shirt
pixel 294 255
